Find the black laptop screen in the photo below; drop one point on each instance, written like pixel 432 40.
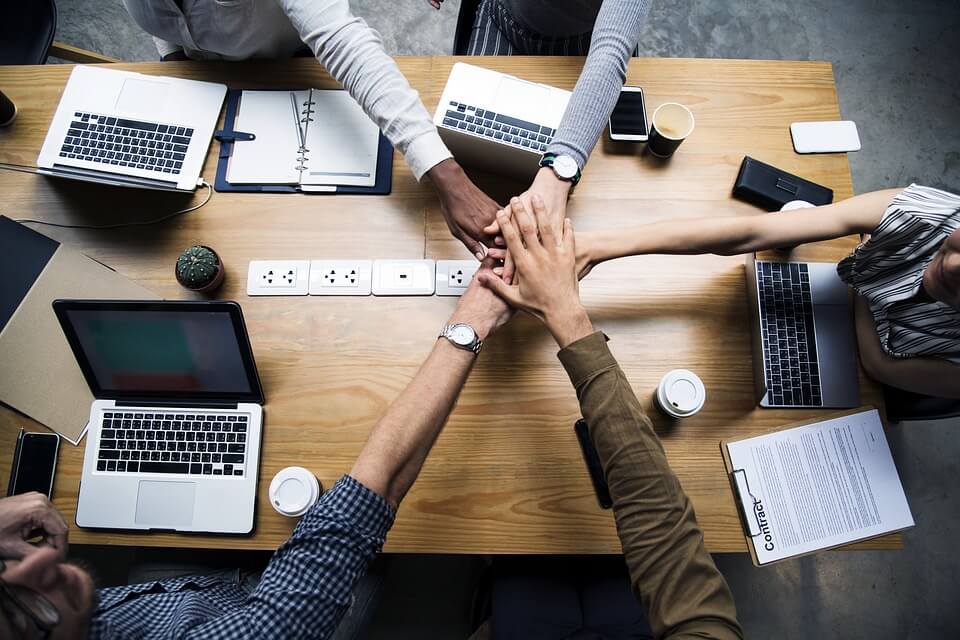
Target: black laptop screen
pixel 161 353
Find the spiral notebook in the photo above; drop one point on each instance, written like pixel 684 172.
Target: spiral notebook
pixel 303 140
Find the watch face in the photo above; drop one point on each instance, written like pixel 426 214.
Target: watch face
pixel 462 334
pixel 565 166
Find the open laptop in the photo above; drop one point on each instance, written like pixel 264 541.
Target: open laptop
pixel 174 433
pixel 804 347
pixel 130 129
pixel 498 122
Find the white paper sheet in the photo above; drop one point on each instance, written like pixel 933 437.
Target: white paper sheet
pixel 818 486
pixel 270 158
pixel 341 141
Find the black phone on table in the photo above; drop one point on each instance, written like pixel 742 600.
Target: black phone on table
pixel 34 463
pixel 628 121
pixel 594 467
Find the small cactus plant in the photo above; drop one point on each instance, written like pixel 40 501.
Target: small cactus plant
pixel 199 269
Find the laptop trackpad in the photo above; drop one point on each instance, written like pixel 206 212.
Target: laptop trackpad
pixel 141 98
pixel 165 504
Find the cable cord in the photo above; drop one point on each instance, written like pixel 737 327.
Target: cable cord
pixel 122 225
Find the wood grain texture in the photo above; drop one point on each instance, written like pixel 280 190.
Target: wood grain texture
pixel 506 475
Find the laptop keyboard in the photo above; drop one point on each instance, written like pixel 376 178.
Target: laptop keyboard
pixel 126 143
pixel 496 126
pixel 172 442
pixel 787 330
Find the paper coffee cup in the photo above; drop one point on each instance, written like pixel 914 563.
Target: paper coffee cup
pixel 680 393
pixel 293 491
pixel 671 124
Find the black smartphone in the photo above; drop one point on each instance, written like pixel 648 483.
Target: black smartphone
pixel 34 462
pixel 629 118
pixel 594 468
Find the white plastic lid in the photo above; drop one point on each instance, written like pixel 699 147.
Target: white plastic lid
pixel 796 204
pixel 681 393
pixel 293 491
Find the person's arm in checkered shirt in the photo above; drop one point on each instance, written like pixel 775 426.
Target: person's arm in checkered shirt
pixel 307 586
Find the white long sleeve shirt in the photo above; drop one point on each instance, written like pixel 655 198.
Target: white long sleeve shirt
pixel 350 50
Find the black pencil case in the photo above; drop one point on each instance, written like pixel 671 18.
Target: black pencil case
pixel 770 188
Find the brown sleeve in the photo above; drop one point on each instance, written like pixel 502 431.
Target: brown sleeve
pixel 683 593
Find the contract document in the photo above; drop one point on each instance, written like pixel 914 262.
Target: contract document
pixel 816 486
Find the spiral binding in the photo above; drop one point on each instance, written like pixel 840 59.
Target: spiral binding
pixel 305 120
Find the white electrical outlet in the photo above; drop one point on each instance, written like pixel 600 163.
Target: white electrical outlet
pixel 340 277
pixel 403 277
pixel 454 276
pixel 278 277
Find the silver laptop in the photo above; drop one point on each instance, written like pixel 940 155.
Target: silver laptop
pixel 497 122
pixel 174 433
pixel 804 347
pixel 130 129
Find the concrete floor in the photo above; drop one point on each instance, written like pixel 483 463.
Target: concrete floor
pixel 898 76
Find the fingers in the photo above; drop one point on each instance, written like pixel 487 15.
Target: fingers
pixel 510 233
pixel 527 224
pixel 54 527
pixel 509 269
pixel 475 247
pixel 497 253
pixel 16 549
pixel 492 229
pixel 568 239
pixel 507 293
pixel 544 222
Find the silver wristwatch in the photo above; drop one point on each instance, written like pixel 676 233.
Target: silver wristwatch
pixel 462 336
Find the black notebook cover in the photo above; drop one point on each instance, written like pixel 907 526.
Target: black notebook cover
pixel 229 137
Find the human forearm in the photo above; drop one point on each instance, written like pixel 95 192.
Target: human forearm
pixel 401 439
pixel 615 35
pixel 353 54
pixel 672 574
pixel 928 376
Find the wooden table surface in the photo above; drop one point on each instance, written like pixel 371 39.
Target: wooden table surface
pixel 506 474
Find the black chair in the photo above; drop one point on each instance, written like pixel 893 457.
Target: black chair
pixel 26 31
pixel 461 38
pixel 906 405
pixel 26 35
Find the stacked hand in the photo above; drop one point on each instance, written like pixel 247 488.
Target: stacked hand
pixel 25 516
pixel 542 249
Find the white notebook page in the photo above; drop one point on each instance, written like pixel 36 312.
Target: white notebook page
pixel 271 158
pixel 819 486
pixel 342 142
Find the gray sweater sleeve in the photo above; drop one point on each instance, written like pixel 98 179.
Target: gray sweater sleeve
pixel 615 35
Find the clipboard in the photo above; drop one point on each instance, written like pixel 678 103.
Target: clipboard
pixel 228 137
pixel 746 501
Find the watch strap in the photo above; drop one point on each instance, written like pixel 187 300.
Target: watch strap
pixel 473 347
pixel 547 160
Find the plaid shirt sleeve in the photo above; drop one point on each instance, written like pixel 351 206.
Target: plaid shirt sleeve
pixel 308 584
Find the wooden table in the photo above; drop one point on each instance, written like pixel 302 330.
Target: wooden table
pixel 506 475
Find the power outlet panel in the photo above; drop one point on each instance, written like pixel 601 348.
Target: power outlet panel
pixel 278 277
pixel 403 277
pixel 454 276
pixel 340 277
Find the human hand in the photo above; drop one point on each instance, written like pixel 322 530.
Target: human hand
pixel 465 207
pixel 554 193
pixel 23 515
pixel 546 281
pixel 479 307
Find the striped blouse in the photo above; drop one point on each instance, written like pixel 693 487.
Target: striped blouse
pixel 887 271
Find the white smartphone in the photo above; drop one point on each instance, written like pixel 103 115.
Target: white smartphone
pixel 825 137
pixel 629 118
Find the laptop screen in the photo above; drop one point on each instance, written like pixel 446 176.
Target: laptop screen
pixel 153 350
